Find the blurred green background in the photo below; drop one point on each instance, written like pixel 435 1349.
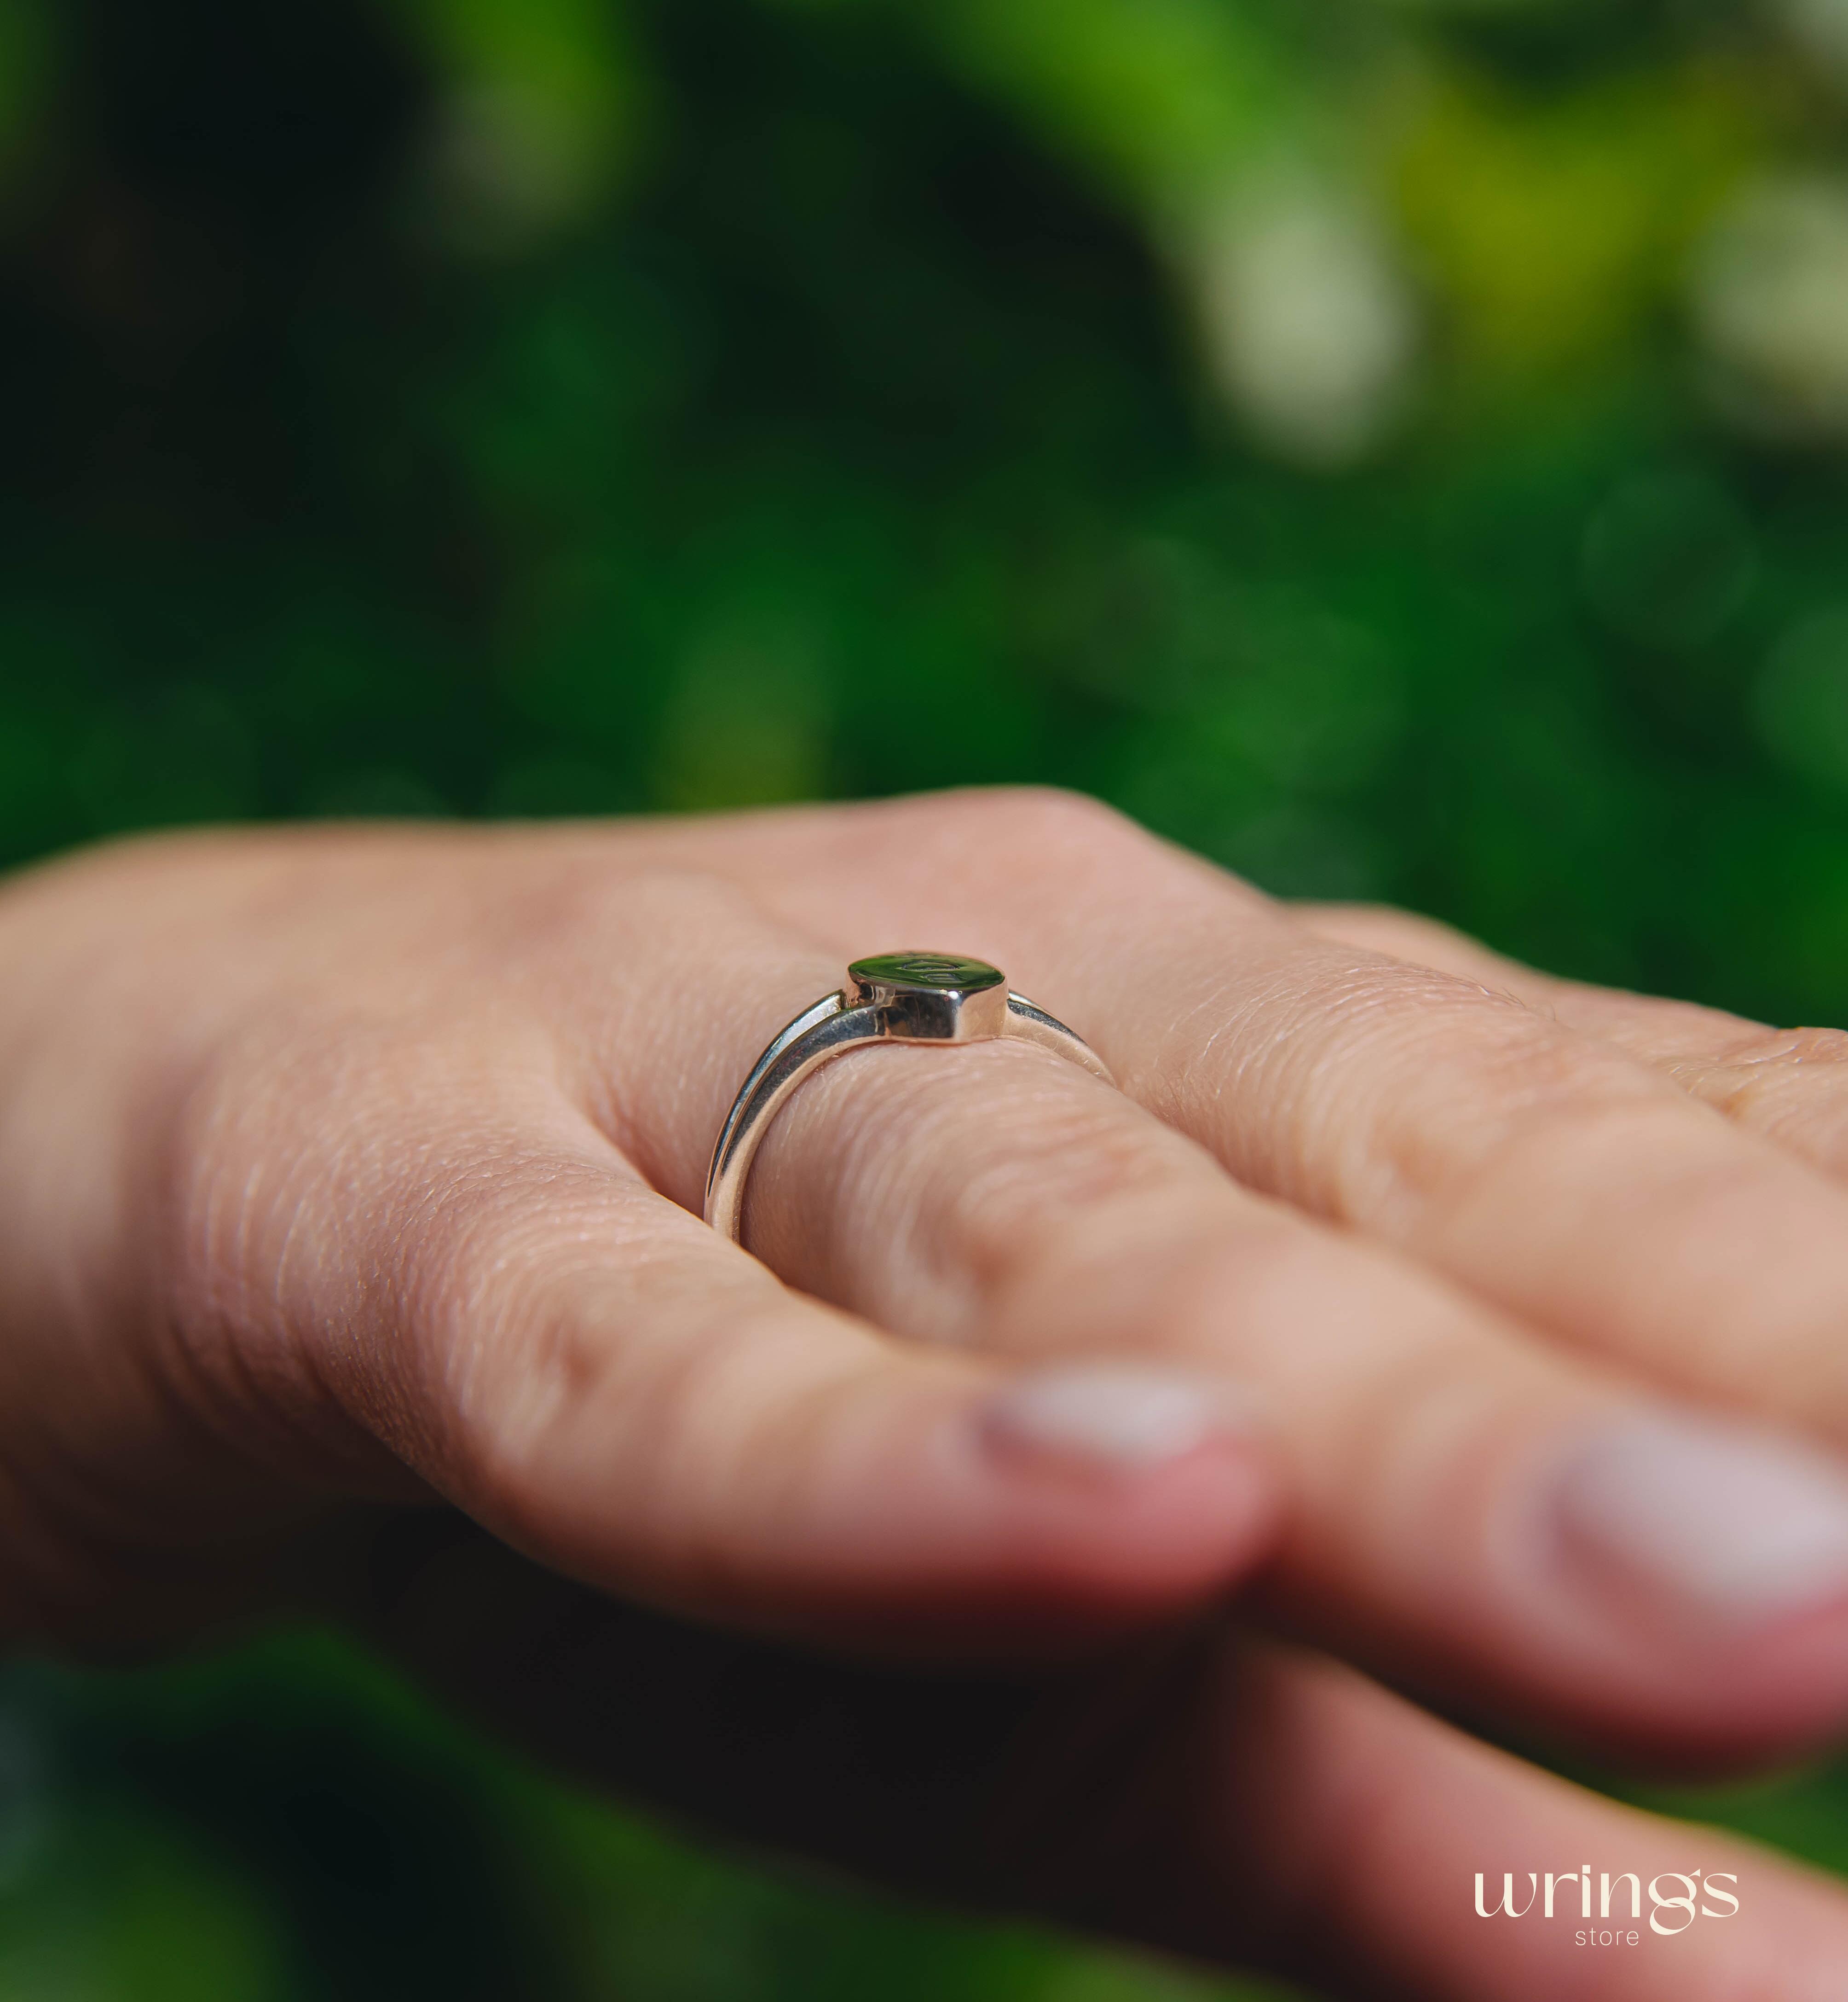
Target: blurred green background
pixel 1399 448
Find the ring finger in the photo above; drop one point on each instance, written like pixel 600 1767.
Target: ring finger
pixel 1478 1514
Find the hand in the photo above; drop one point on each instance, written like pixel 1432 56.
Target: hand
pixel 347 1165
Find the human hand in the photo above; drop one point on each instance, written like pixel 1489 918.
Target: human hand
pixel 354 1164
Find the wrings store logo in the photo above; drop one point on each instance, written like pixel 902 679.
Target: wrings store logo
pixel 1671 1911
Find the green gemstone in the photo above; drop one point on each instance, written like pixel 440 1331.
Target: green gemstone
pixel 942 971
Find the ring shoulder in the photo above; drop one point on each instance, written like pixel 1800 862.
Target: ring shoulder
pixel 1033 1024
pixel 831 1028
pixel 827 1029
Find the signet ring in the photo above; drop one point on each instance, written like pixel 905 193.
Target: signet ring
pixel 936 998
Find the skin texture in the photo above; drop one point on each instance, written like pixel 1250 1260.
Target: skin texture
pixel 348 1194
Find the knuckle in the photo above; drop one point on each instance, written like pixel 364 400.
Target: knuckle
pixel 1441 1075
pixel 1405 935
pixel 564 1390
pixel 1048 819
pixel 992 1159
pixel 1028 1226
pixel 585 904
pixel 485 1244
pixel 1770 1079
pixel 1521 1062
pixel 492 1259
pixel 1376 1034
pixel 536 1285
pixel 1817 1047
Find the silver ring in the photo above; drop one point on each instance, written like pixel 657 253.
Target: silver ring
pixel 893 997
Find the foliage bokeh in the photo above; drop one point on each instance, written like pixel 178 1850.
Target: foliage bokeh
pixel 1399 448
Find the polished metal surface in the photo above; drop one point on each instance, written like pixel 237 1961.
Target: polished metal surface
pixel 893 997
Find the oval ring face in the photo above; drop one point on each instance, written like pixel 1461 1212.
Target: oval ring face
pixel 942 972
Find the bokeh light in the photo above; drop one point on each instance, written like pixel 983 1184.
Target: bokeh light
pixel 1399 448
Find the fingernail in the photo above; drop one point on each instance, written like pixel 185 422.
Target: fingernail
pixel 1113 1417
pixel 1724 1519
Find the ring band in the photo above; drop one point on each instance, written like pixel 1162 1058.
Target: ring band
pixel 893 997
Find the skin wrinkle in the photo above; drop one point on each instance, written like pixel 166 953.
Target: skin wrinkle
pixel 736 1446
pixel 1293 1074
pixel 881 1222
pixel 333 1358
pixel 1061 1245
pixel 206 1353
pixel 1002 1203
pixel 1386 1217
pixel 695 1386
pixel 1765 1047
pixel 462 1269
pixel 520 1302
pixel 1451 987
pixel 1197 1273
pixel 1758 1083
pixel 1750 1073
pixel 866 1127
pixel 1533 1084
pixel 307 1352
pixel 695 1356
pixel 1295 1078
pixel 1018 1203
pixel 514 1425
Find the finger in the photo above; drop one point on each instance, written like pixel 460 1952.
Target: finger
pixel 1355 1833
pixel 459 1265
pixel 1237 1805
pixel 1790 1085
pixel 1546 1171
pixel 1472 1512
